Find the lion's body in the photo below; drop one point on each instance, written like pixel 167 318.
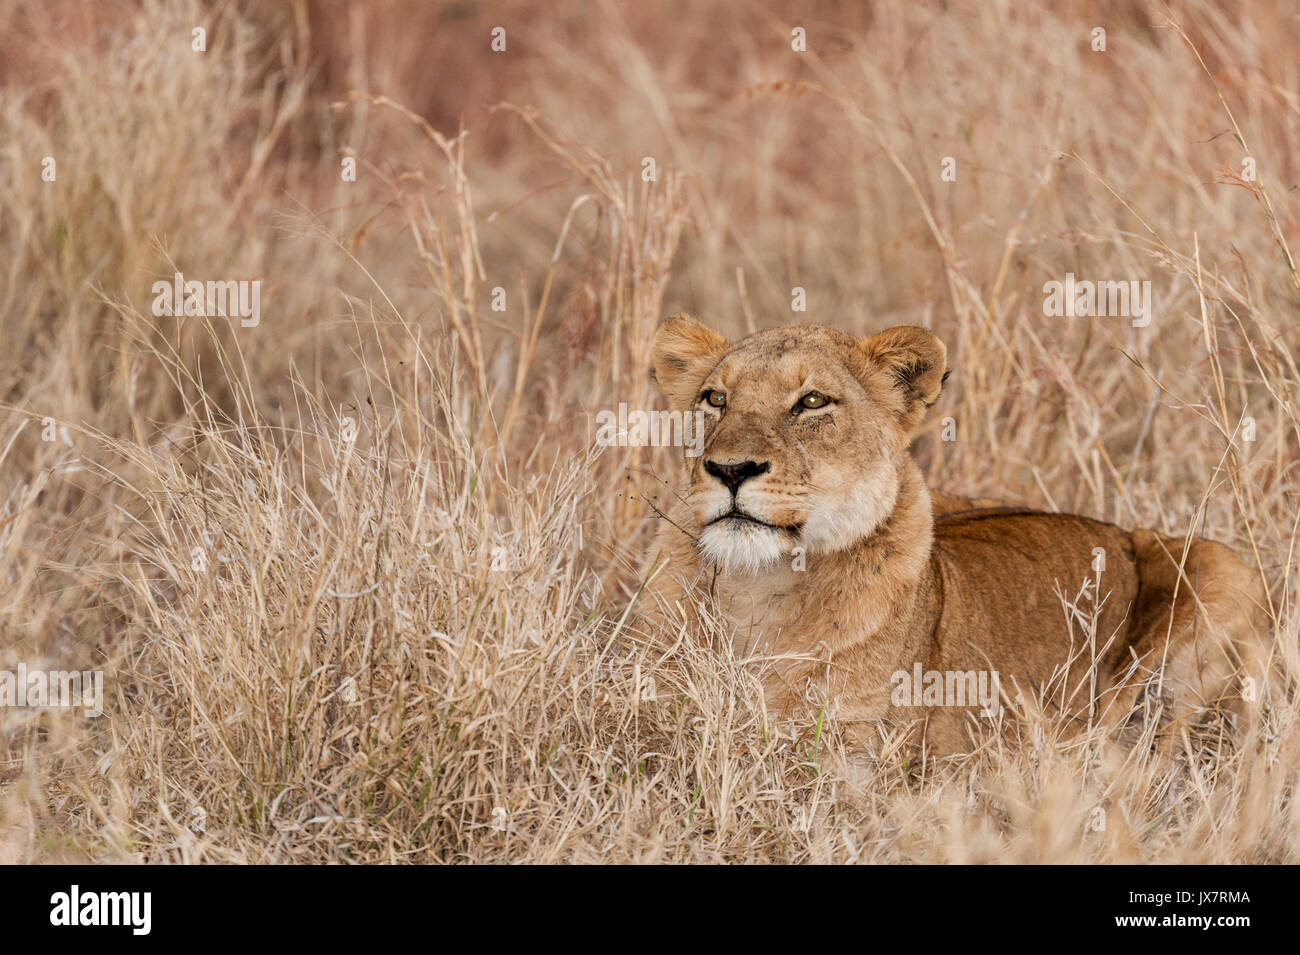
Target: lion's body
pixel 839 563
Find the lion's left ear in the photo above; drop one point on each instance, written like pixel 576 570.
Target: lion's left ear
pixel 684 351
pixel 916 361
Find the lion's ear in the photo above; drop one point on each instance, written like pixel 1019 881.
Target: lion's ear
pixel 917 363
pixel 684 351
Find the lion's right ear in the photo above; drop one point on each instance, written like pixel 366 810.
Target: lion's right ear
pixel 684 351
pixel 917 365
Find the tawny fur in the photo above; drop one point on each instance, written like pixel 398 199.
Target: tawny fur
pixel 860 571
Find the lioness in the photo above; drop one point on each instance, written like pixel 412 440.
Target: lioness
pixel 808 525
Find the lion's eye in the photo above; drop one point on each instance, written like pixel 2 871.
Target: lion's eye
pixel 714 399
pixel 814 399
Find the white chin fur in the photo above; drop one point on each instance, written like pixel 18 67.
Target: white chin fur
pixel 739 547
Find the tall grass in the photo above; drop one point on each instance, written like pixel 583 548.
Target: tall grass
pixel 361 585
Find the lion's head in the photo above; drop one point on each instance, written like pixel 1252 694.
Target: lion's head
pixel 806 429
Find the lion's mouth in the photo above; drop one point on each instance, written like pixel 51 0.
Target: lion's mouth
pixel 735 514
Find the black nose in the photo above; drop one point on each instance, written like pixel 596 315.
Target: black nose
pixel 734 475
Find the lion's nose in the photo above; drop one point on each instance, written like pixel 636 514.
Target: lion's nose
pixel 734 475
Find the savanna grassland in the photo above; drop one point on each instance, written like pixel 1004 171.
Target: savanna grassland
pixel 360 581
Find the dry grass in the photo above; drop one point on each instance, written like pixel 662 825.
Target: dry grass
pixel 357 578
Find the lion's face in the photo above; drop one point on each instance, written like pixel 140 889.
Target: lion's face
pixel 803 431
